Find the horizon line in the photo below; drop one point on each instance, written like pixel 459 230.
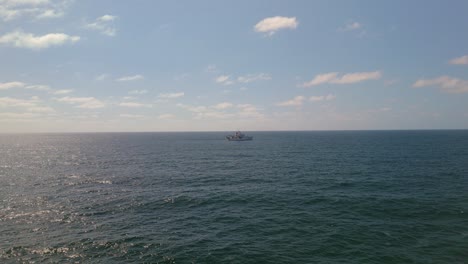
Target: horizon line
pixel 227 131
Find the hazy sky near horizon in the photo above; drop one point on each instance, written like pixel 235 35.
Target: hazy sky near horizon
pixel 226 65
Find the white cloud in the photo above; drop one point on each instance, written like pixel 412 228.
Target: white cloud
pixel 13 3
pixel 321 78
pixel 357 77
pixel 65 91
pixel 253 77
pixel 463 60
pixel 223 105
pixel 8 14
pixel 38 87
pixel 130 78
pixel 171 95
pixel 322 98
pixel 202 112
pixel 296 101
pixel 224 110
pixel 13 102
pixel 272 24
pixel 82 102
pixel 445 83
pixel 50 13
pixel 166 116
pixel 104 24
pixel 9 85
pixel 348 78
pixel 31 105
pixel 138 92
pixel 20 39
pixel 38 9
pixel 196 109
pixel 106 18
pixel 249 111
pixel 132 116
pixel 41 109
pixel 17 116
pixel 352 26
pixel 246 107
pixel 224 79
pixel 134 104
pixel 213 114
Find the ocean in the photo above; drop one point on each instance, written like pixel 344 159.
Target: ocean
pixel 285 197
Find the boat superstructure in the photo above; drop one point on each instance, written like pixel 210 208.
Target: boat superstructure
pixel 239 136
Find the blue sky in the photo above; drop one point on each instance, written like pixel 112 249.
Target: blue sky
pixel 71 66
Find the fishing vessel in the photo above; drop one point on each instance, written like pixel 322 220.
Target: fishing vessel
pixel 238 136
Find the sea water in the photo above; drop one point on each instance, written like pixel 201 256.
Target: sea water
pixel 285 197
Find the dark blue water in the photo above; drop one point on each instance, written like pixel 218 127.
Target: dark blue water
pixel 285 197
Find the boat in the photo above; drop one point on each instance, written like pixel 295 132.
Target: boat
pixel 238 136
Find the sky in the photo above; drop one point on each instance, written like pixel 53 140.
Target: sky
pixel 98 66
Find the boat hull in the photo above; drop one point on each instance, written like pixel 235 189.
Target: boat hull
pixel 239 139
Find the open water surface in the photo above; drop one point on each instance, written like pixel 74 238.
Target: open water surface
pixel 285 197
